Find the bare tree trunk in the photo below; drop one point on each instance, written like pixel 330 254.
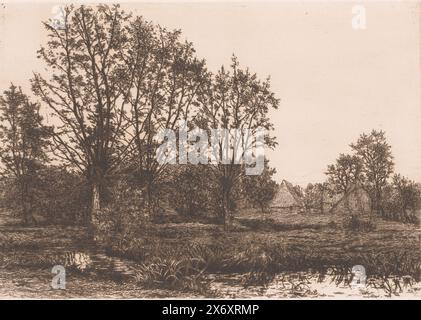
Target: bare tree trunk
pixel 226 209
pixel 150 199
pixel 95 209
pixel 322 200
pixel 378 198
pixel 26 214
pixel 26 206
pixel 96 203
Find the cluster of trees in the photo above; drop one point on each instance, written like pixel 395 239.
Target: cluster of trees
pixel 201 189
pixel 23 140
pixel 370 165
pixel 112 81
pixel 30 182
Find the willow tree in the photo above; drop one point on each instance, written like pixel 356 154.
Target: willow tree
pixel 90 68
pixel 237 103
pixel 167 82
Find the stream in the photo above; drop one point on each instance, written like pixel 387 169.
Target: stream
pixel 120 272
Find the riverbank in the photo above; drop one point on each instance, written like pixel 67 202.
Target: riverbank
pixel 272 257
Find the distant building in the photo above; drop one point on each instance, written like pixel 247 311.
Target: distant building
pixel 356 201
pixel 287 198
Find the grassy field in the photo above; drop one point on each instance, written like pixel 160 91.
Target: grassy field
pixel 260 247
pixel 257 249
pixel 321 235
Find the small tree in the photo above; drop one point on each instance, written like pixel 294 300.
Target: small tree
pixel 309 196
pixel 316 196
pixel 299 190
pixel 346 171
pixel 408 194
pixel 376 156
pixel 24 140
pixel 260 190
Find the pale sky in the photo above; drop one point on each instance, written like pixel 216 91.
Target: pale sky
pixel 334 82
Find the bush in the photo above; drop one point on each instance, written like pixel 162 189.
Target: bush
pixel 120 222
pixel 194 192
pixel 62 196
pixel 189 195
pixel 259 190
pixel 57 196
pixel 401 200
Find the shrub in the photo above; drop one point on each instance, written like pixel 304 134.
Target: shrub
pixel 195 191
pixel 259 190
pixel 211 257
pixel 57 196
pixel 121 221
pixel 401 200
pixel 189 195
pixel 62 196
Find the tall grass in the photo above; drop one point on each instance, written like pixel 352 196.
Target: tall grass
pixel 260 259
pixel 167 273
pixel 390 272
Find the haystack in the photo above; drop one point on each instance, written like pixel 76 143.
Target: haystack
pixel 356 201
pixel 287 198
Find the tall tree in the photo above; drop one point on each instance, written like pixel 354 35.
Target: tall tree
pixel 345 172
pixel 167 82
pixel 376 156
pixel 92 66
pixel 24 140
pixel 235 100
